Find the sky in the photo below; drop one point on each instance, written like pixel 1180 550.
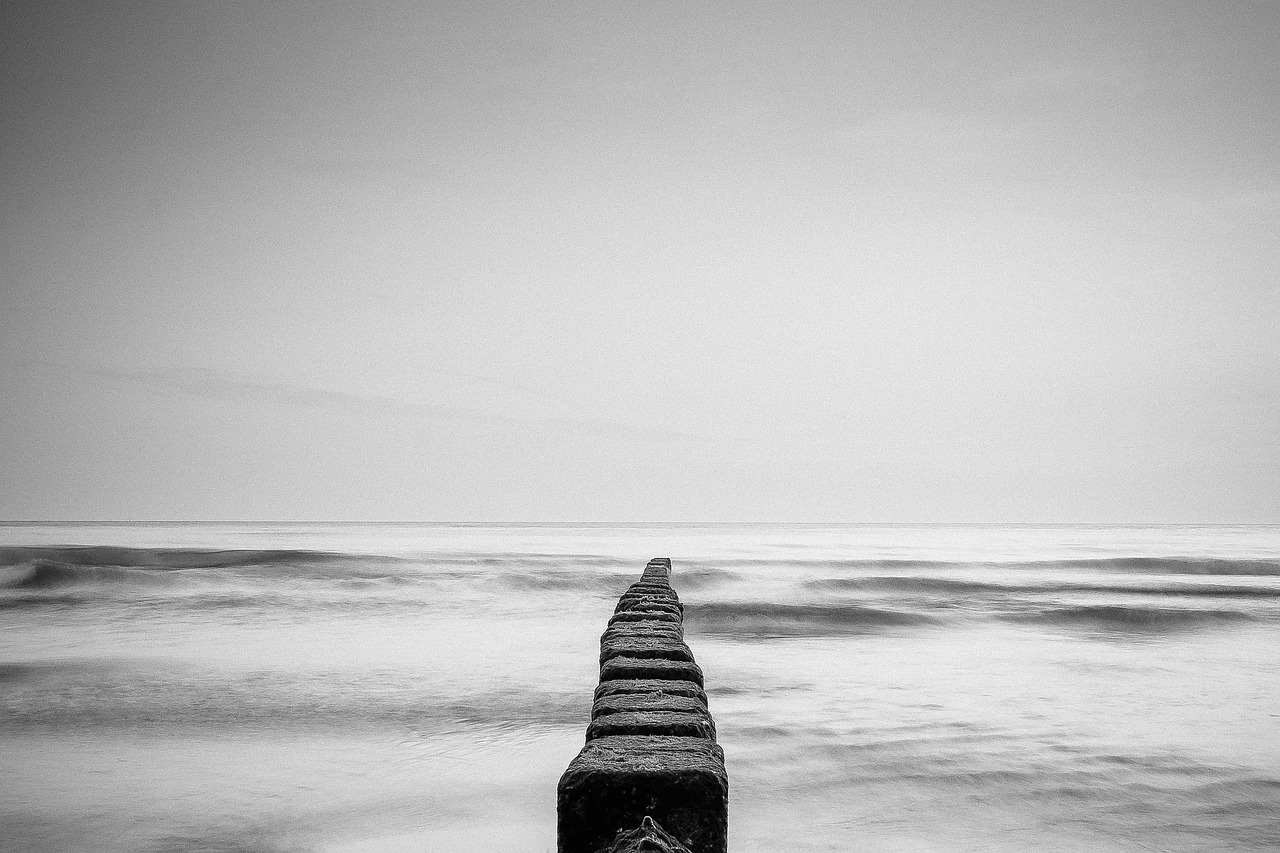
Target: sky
pixel 640 261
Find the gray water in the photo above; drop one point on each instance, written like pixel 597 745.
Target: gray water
pixel 396 688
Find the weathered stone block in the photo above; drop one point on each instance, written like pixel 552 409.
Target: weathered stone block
pixel 644 647
pixel 668 632
pixel 624 686
pixel 650 603
pixel 615 782
pixel 644 616
pixel 666 723
pixel 644 628
pixel 650 588
pixel 644 587
pixel 632 668
pixel 625 702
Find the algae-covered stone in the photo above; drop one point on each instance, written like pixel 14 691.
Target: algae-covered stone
pixel 668 723
pixel 649 602
pixel 648 837
pixel 651 587
pixel 645 628
pixel 654 607
pixel 617 703
pixel 644 647
pixel 645 616
pixel 626 686
pixel 617 781
pixel 672 634
pixel 666 594
pixel 633 668
pixel 643 587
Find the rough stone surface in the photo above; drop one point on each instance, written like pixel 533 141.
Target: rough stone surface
pixel 651 603
pixel 644 587
pixel 669 723
pixel 624 686
pixel 651 588
pixel 648 591
pixel 657 567
pixel 644 616
pixel 656 701
pixel 649 607
pixel 646 838
pixel 611 637
pixel 631 668
pixel 616 782
pixel 646 628
pixel 650 778
pixel 644 647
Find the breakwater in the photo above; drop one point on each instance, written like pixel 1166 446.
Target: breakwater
pixel 650 776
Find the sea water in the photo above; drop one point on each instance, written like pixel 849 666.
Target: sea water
pixel 396 688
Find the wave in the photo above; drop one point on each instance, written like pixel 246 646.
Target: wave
pixel 35 569
pixel 1181 565
pixel 221 558
pixel 167 558
pixel 87 693
pixel 1265 566
pixel 913 583
pixel 761 620
pixel 1122 618
pixel 594 582
pixel 46 575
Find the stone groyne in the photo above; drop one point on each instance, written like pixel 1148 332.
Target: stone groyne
pixel 651 776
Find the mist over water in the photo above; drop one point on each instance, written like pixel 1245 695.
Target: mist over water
pixel 395 687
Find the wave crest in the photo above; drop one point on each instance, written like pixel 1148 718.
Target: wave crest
pixel 760 620
pixel 1121 618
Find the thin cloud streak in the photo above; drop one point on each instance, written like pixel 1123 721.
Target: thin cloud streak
pixel 222 386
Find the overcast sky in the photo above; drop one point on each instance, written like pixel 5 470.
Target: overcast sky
pixel 659 260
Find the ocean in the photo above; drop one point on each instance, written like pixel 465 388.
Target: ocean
pixel 340 688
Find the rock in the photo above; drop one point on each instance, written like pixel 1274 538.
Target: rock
pixel 645 616
pixel 647 838
pixel 621 633
pixel 651 588
pixel 668 595
pixel 650 603
pixel 629 668
pixel 643 647
pixel 648 587
pixel 650 701
pixel 646 628
pixel 650 759
pixel 618 781
pixel 623 686
pixel 659 568
pixel 669 723
pixel 654 595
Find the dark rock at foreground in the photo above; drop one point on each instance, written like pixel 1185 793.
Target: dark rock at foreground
pixel 618 781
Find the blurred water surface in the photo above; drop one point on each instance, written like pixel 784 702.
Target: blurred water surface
pixel 422 687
